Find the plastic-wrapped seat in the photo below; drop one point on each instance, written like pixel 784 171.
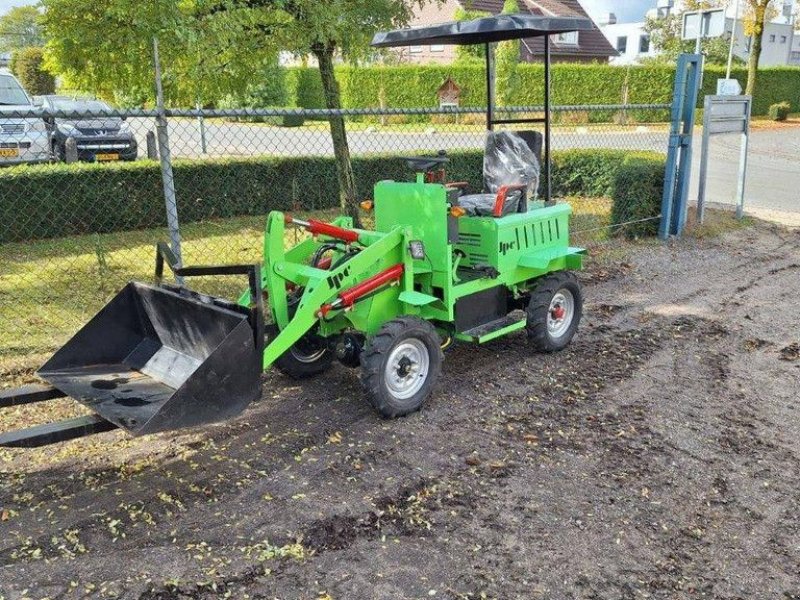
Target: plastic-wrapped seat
pixel 510 175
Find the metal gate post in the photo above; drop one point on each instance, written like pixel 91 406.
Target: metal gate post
pixel 679 155
pixel 167 177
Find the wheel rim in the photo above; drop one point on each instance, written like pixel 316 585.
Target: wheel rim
pixel 306 351
pixel 407 368
pixel 561 313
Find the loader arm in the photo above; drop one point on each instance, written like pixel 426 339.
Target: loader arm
pixel 321 287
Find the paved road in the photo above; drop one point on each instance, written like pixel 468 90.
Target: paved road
pixel 773 173
pixel 773 176
pixel 239 139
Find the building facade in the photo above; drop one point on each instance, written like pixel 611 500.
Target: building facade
pixel 584 46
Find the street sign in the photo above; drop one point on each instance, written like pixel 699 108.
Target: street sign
pixel 728 87
pixel 721 115
pixel 703 24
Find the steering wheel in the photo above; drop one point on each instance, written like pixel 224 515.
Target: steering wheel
pixel 423 164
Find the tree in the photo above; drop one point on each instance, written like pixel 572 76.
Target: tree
pixel 758 15
pixel 200 60
pixel 324 30
pixel 20 27
pixel 508 80
pixel 665 36
pixel 28 65
pixel 472 53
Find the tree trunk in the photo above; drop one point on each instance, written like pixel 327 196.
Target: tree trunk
pixel 341 150
pixel 759 16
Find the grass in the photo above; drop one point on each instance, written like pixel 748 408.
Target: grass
pixel 717 222
pixel 50 288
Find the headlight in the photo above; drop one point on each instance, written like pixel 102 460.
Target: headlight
pixel 67 128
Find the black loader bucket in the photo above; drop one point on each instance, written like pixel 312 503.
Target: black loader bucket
pixel 154 359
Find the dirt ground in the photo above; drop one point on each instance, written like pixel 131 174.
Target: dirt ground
pixel 658 457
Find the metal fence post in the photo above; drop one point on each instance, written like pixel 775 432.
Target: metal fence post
pixel 166 162
pixel 202 125
pixel 71 150
pixel 150 141
pixel 679 155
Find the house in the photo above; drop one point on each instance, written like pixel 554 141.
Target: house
pixel 630 40
pixel 633 43
pixel 777 43
pixel 585 46
pixel 794 56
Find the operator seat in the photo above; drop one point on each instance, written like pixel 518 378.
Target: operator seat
pixel 510 174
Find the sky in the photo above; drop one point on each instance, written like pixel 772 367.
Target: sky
pixel 626 10
pixel 6 4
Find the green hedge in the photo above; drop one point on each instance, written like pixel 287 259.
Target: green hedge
pixel 61 200
pixel 410 86
pixel 637 190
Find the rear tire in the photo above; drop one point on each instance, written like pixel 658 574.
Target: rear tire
pixel 400 365
pixel 309 356
pixel 554 311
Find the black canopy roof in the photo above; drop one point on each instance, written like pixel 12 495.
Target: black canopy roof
pixel 480 31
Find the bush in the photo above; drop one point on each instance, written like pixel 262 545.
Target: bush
pixel 27 65
pixel 414 86
pixel 123 196
pixel 780 111
pixel 636 191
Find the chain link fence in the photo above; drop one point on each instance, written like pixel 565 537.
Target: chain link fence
pixel 82 195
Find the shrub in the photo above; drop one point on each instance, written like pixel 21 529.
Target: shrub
pixel 780 111
pixel 413 86
pixel 124 196
pixel 27 65
pixel 636 191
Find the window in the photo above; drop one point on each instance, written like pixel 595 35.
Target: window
pixel 415 49
pixel 772 38
pixel 437 48
pixel 622 44
pixel 783 39
pixel 11 92
pixel 644 44
pixel 570 38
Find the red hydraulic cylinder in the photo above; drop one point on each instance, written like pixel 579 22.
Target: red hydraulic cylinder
pixel 319 228
pixel 349 297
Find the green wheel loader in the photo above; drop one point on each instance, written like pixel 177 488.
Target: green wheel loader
pixel 443 264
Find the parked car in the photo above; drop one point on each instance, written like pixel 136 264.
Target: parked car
pixel 98 137
pixel 22 139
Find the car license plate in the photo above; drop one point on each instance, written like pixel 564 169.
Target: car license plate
pixel 9 152
pixel 112 156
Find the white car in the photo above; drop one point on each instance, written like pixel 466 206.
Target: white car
pixel 22 139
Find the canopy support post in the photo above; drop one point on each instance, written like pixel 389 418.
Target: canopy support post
pixel 489 86
pixel 547 118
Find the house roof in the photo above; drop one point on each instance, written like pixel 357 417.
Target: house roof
pixel 478 31
pixel 591 43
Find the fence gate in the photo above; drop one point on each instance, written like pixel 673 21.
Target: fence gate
pixel 679 156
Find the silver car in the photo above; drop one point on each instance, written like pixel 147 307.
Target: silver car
pixel 22 139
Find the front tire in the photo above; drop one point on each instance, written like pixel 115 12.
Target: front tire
pixel 554 311
pixel 400 365
pixel 310 356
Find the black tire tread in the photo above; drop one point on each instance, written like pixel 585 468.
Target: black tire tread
pixel 293 368
pixel 539 304
pixel 376 350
